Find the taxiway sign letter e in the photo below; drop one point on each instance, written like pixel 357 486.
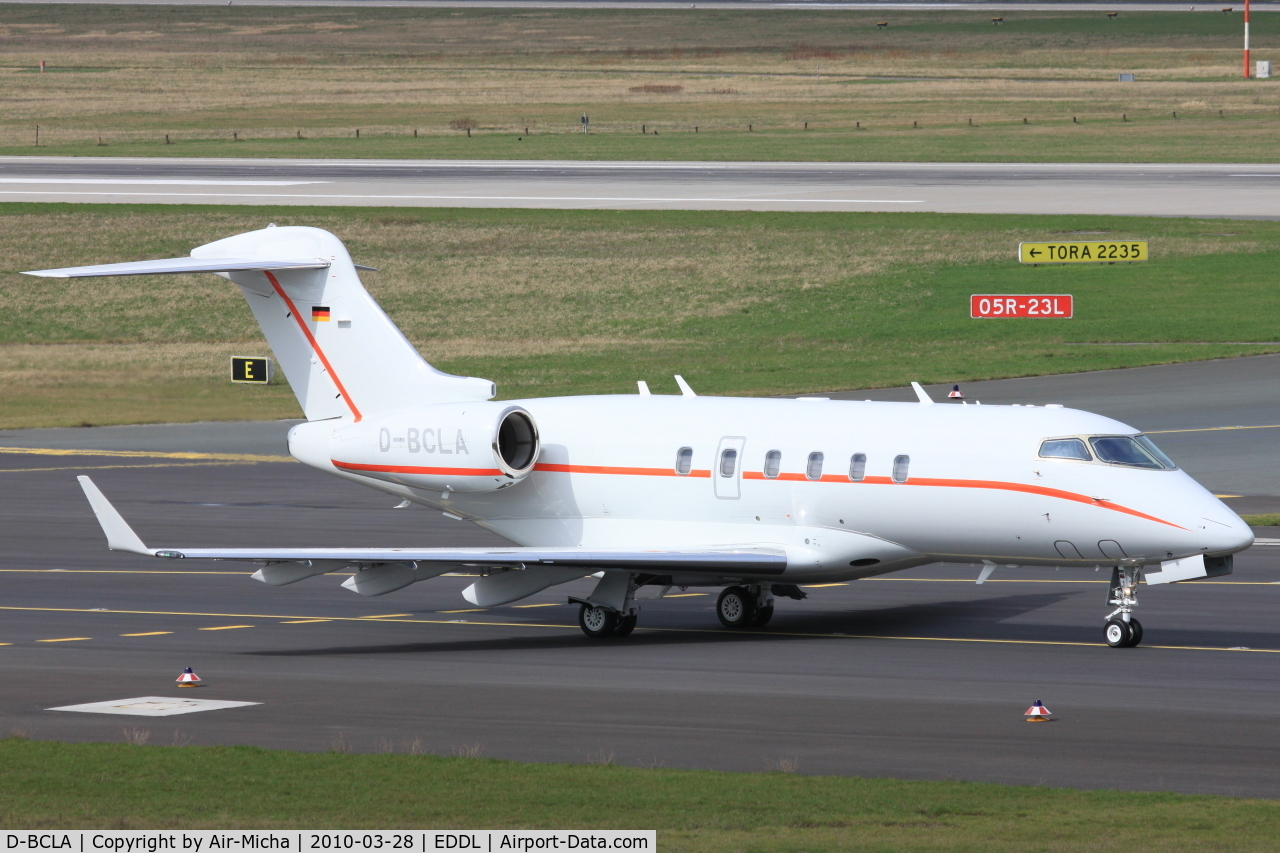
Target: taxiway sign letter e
pixel 1103 252
pixel 252 370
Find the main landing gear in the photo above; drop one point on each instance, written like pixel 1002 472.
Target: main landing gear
pixel 611 609
pixel 598 622
pixel 1122 630
pixel 745 606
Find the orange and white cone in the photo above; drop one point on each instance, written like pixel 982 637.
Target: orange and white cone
pixel 955 393
pixel 189 679
pixel 1038 713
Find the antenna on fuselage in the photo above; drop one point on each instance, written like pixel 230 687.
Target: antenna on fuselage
pixel 685 390
pixel 924 398
pixel 643 386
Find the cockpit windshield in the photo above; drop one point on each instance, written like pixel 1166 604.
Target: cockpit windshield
pixel 1135 451
pixel 1126 450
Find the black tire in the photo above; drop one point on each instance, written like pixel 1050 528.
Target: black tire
pixel 1135 631
pixel 626 625
pixel 596 622
pixel 763 615
pixel 736 607
pixel 1117 634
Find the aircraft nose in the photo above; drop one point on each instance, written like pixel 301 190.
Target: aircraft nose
pixel 1225 532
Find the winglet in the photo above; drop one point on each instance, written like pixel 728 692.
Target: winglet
pixel 924 398
pixel 120 536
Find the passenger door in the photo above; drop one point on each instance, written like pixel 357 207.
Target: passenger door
pixel 726 470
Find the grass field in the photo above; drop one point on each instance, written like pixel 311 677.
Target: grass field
pixel 571 302
pixel 246 81
pixel 84 786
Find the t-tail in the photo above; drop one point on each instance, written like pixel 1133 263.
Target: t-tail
pixel 342 355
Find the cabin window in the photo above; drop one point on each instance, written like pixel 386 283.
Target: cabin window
pixel 772 464
pixel 814 469
pixel 900 466
pixel 684 460
pixel 728 462
pixel 1065 448
pixel 858 467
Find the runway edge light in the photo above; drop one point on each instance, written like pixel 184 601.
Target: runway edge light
pixel 955 393
pixel 189 679
pixel 1038 713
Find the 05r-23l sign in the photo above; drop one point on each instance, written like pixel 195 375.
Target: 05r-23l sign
pixel 1058 305
pixel 1106 252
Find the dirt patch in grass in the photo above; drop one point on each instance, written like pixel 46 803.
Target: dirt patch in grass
pixel 219 76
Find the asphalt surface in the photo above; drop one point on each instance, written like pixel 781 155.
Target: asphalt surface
pixel 832 5
pixel 1201 190
pixel 919 675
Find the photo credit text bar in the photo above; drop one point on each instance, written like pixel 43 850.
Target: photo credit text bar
pixel 316 841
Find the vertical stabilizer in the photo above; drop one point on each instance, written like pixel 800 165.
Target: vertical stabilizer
pixel 341 353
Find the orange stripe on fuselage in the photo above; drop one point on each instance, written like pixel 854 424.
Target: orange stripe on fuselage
pixel 610 469
pixel 315 347
pixel 412 469
pixel 992 485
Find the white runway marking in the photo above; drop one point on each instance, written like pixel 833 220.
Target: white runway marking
pixel 153 706
pixel 178 182
pixel 635 199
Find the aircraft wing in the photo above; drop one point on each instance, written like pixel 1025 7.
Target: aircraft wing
pixel 180 265
pixel 767 561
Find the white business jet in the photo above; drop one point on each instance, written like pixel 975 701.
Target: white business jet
pixel 757 496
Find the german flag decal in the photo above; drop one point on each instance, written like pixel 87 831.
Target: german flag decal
pixel 319 314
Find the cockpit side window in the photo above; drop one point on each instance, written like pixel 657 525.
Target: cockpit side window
pixel 1065 448
pixel 1126 450
pixel 1150 446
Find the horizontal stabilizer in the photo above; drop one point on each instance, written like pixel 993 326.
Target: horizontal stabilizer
pixel 181 265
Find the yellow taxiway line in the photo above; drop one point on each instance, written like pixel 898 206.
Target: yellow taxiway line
pixel 144 454
pixel 1210 429
pixel 763 633
pixel 677 595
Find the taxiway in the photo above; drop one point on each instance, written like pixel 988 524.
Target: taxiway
pixel 918 675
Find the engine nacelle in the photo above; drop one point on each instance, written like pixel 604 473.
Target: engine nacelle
pixel 457 447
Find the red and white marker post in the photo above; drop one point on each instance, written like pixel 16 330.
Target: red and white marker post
pixel 188 679
pixel 1038 713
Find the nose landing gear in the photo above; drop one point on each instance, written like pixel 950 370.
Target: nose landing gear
pixel 1122 630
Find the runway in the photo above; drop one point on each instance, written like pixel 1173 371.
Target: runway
pixel 1201 190
pixel 919 675
pixel 754 5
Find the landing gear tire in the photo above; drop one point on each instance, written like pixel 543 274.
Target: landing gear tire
pixel 763 615
pixel 1118 634
pixel 736 607
pixel 597 622
pixel 1135 632
pixel 626 625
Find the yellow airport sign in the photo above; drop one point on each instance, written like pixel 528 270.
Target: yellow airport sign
pixel 1100 252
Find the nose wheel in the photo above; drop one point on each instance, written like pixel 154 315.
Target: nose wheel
pixel 1122 631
